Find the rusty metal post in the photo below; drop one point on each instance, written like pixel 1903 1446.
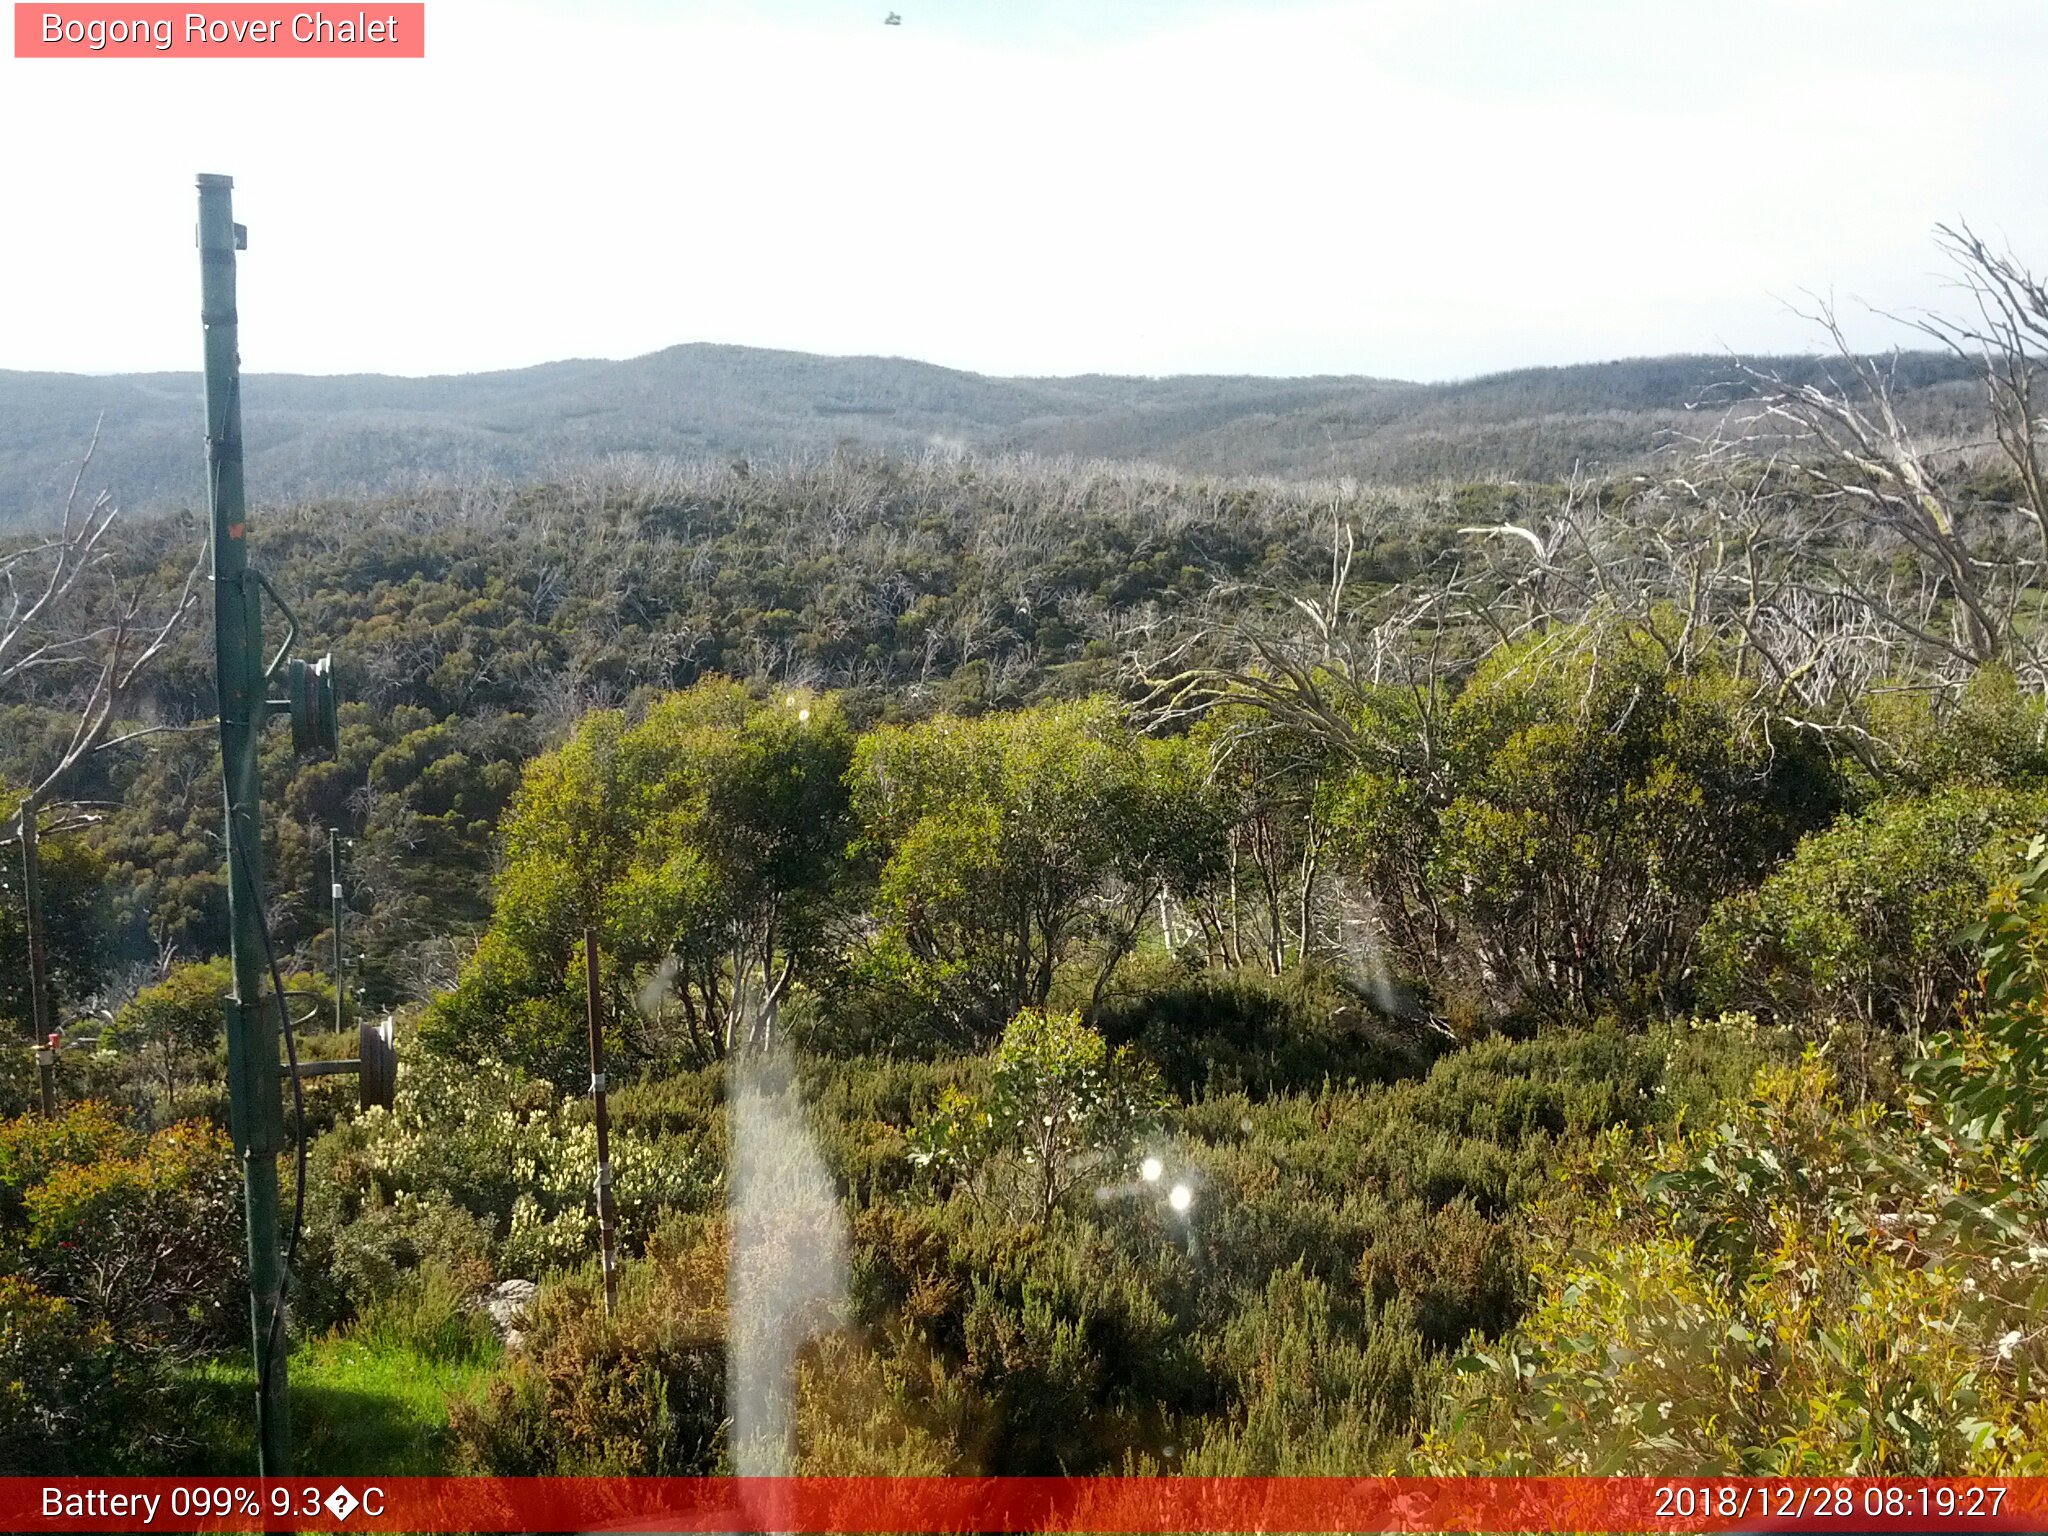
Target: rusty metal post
pixel 32 899
pixel 46 1071
pixel 607 1212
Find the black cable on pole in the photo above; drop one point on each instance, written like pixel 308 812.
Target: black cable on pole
pixel 291 1052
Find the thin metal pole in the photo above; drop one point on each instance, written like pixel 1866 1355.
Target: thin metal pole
pixel 334 882
pixel 46 1070
pixel 255 1105
pixel 32 905
pixel 607 1221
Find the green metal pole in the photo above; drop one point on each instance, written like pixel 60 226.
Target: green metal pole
pixel 255 1104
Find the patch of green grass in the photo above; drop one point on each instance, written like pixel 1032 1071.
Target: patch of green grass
pixel 359 1407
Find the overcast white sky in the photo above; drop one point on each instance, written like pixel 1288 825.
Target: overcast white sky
pixel 1414 188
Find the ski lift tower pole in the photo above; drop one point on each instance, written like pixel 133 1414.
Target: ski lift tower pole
pixel 256 1109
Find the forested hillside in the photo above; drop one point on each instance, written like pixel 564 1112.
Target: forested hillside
pixel 372 435
pixel 473 628
pixel 1165 971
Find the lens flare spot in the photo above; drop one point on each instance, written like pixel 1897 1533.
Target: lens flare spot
pixel 1150 1169
pixel 1180 1197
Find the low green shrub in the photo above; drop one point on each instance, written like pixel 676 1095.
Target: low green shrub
pixel 1060 1341
pixel 389 1247
pixel 1335 1246
pixel 32 1148
pixel 1990 733
pixel 1784 1293
pixel 120 1253
pixel 1458 1272
pixel 64 1402
pixel 637 1393
pixel 1863 925
pixel 1316 1392
pixel 1798 1286
pixel 1243 1031
pixel 143 1232
pixel 436 1316
pixel 149 1243
pixel 1060 1108
pixel 682 1103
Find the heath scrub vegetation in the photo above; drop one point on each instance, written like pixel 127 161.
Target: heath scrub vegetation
pixel 1277 979
pixel 1547 1211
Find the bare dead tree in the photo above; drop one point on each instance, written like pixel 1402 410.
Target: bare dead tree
pixel 1716 564
pixel 39 578
pixel 1314 663
pixel 1816 537
pixel 2008 341
pixel 70 623
pixel 1865 486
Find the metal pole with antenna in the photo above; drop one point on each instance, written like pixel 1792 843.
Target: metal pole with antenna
pixel 255 1076
pixel 255 1104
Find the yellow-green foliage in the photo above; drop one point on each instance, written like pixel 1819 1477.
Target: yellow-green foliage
pixel 142 1231
pixel 1987 1079
pixel 1603 799
pixel 1991 732
pixel 118 1252
pixel 1787 1292
pixel 705 843
pixel 1864 923
pixel 1010 846
pixel 58 1381
pixel 146 1241
pixel 32 1148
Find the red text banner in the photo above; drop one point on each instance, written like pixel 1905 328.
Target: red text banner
pixel 234 31
pixel 1145 1504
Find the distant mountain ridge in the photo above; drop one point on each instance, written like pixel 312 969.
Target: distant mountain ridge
pixel 372 434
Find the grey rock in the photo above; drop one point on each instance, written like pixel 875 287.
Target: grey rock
pixel 506 1302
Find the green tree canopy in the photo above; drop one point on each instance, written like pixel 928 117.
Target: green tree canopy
pixel 1865 923
pixel 75 927
pixel 173 1024
pixel 1589 802
pixel 703 842
pixel 1012 844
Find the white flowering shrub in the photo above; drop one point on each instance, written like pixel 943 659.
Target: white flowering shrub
pixel 484 1141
